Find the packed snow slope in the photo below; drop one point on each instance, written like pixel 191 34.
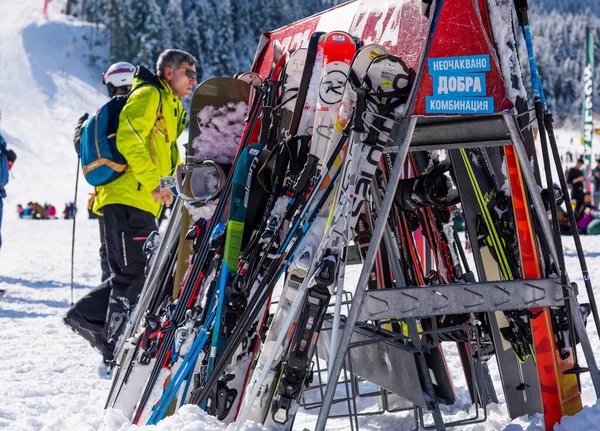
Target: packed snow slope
pixel 46 84
pixel 51 378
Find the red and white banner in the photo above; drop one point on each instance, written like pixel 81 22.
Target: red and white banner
pixel 404 28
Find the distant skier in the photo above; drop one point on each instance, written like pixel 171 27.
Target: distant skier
pixel 150 122
pixel 576 179
pixel 596 181
pixel 7 158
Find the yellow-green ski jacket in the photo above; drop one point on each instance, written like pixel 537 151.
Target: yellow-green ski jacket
pixel 146 137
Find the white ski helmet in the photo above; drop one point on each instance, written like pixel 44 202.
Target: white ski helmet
pixel 118 75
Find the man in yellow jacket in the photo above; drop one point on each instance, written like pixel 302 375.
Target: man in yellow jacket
pixel 149 124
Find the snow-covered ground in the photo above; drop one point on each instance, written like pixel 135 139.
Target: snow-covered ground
pixel 51 378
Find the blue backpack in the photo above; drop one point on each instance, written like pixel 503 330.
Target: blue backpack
pixel 101 161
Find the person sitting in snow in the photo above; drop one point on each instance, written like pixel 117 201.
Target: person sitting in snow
pixel 152 118
pixel 38 212
pixel 589 223
pixel 67 212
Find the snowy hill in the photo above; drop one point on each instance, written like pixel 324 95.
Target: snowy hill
pixel 45 86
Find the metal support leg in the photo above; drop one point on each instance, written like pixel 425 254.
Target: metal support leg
pixel 415 338
pixel 364 275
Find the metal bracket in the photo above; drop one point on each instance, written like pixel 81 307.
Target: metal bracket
pixel 461 298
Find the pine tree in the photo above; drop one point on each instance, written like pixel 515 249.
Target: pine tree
pixel 223 35
pixel 206 28
pixel 226 61
pixel 92 10
pixel 261 15
pixel 155 36
pixel 245 37
pixel 72 8
pixel 119 28
pixel 163 4
pixel 176 25
pixel 193 40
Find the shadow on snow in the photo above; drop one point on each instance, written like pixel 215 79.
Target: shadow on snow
pixel 35 302
pixel 37 284
pixel 16 314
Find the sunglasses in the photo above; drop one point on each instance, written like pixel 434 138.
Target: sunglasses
pixel 189 73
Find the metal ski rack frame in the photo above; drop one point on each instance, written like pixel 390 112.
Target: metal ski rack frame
pixel 421 33
pixel 413 302
pixel 369 345
pixel 432 133
pixel 353 382
pixel 416 132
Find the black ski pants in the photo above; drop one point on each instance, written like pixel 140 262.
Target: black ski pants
pixel 103 253
pixel 579 197
pixel 101 314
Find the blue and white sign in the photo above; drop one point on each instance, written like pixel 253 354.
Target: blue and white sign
pixel 470 84
pixel 459 85
pixel 464 64
pixel 460 105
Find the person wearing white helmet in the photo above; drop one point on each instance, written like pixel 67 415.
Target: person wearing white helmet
pixel 118 78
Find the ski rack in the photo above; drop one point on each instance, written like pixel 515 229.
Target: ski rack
pixel 408 303
pixel 371 341
pixel 414 302
pixel 415 133
pixel 421 33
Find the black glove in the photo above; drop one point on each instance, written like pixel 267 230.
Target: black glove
pixel 12 156
pixel 77 138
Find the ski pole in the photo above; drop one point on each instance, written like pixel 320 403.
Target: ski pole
pixel 548 123
pixel 273 272
pixel 541 113
pixel 200 257
pixel 183 372
pixel 73 235
pixel 548 120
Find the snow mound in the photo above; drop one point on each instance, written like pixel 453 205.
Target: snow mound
pixel 587 419
pixel 187 418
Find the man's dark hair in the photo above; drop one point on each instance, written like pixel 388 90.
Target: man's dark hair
pixel 173 58
pixel 580 160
